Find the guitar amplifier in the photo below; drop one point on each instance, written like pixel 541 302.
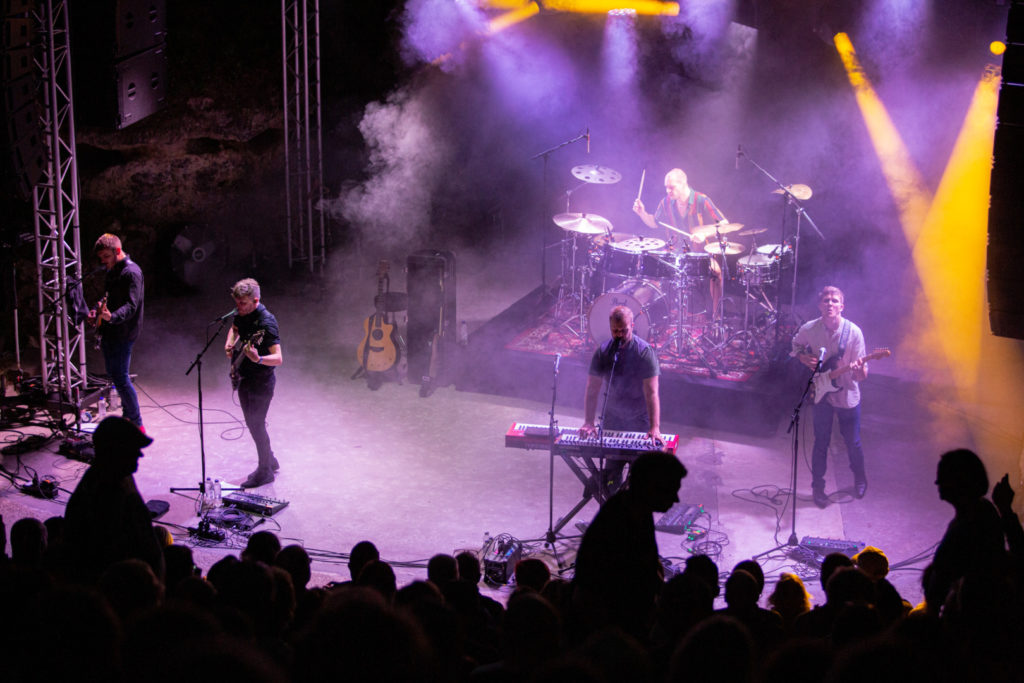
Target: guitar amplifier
pixel 430 283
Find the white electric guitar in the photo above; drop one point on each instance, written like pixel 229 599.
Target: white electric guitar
pixel 825 379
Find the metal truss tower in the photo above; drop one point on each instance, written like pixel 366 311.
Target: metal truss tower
pixel 303 139
pixel 55 209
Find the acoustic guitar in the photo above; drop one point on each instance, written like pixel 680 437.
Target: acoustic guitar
pixel 378 351
pixel 825 379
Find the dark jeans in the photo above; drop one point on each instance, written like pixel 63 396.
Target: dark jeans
pixel 849 428
pixel 254 395
pixel 118 357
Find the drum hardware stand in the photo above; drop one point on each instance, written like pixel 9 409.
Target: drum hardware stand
pixel 680 337
pixel 572 292
pixel 543 156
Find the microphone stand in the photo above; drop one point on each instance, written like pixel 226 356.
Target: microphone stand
pixel 198 365
pixel 794 429
pixel 602 488
pixel 551 536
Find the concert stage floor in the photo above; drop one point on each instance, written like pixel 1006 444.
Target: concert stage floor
pixel 420 476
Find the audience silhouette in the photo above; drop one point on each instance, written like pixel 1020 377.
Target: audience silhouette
pixel 94 596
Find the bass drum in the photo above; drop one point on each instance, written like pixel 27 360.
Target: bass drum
pixel 649 304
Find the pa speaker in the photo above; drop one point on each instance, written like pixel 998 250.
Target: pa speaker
pixel 141 83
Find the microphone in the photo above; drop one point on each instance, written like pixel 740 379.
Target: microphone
pixel 739 153
pixel 558 359
pixel 227 315
pixel 588 140
pixel 821 355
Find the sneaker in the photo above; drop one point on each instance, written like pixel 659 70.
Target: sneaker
pixel 257 478
pixel 860 487
pixel 274 464
pixel 820 499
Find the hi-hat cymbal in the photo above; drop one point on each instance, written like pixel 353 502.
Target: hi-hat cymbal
pixel 583 223
pixel 752 231
pixel 801 192
pixel 730 248
pixel 709 230
pixel 592 173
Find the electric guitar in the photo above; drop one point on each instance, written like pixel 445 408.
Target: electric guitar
pixel 378 351
pixel 238 355
pixel 825 379
pixel 97 320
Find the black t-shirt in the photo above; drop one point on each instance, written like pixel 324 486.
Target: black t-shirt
pixel 627 408
pixel 249 325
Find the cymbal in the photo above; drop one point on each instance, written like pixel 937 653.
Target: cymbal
pixel 709 230
pixel 637 244
pixel 730 248
pixel 752 231
pixel 592 173
pixel 801 192
pixel 583 223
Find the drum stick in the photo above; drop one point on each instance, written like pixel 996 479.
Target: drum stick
pixel 673 228
pixel 641 190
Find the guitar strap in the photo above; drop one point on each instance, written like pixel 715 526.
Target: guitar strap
pixel 844 337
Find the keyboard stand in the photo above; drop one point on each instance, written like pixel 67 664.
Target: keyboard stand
pixel 591 475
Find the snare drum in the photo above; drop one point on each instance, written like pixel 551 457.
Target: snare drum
pixel 757 269
pixel 783 254
pixel 648 302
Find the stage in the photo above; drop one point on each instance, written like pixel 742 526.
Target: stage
pixel 419 476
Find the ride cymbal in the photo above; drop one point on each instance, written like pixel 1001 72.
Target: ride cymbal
pixel 710 230
pixel 752 231
pixel 801 192
pixel 592 173
pixel 583 223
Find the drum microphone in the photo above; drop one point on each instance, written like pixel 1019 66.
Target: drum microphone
pixel 558 359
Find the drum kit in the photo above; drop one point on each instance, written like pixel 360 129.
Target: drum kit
pixel 667 290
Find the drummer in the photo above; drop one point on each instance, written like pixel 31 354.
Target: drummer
pixel 687 210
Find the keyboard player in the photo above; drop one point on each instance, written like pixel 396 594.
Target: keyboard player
pixel 633 404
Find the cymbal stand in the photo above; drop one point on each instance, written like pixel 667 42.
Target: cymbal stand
pixel 790 199
pixel 572 289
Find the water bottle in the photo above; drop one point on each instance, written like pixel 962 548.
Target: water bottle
pixel 208 492
pixel 216 492
pixel 101 409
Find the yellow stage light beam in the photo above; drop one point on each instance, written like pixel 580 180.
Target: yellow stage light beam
pixel 909 191
pixel 648 7
pixel 496 25
pixel 511 18
pixel 950 259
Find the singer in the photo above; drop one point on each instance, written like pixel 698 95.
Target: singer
pixel 687 210
pixel 633 404
pixel 120 320
pixel 844 346
pixel 255 371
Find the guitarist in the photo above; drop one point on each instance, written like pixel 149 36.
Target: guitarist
pixel 256 372
pixel 844 346
pixel 120 318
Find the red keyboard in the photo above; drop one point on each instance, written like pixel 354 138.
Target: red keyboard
pixel 617 445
